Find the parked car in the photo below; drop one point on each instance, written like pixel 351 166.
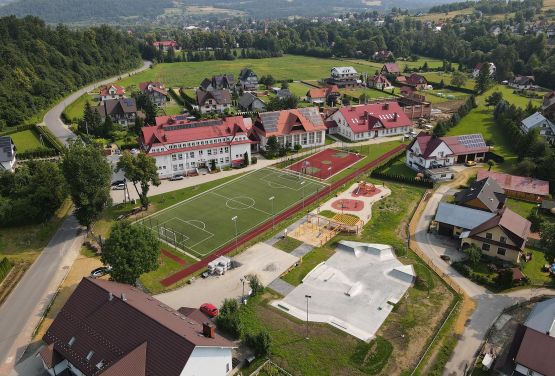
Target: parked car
pixel 445 258
pixel 176 177
pixel 119 186
pixel 99 272
pixel 117 182
pixel 209 309
pixel 470 163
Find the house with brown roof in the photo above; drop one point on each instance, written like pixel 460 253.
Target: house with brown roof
pixel 155 91
pixel 383 55
pixel 300 126
pixel 166 45
pixel 322 95
pixel 428 151
pixel 371 120
pixel 520 187
pixel 391 68
pixel 503 236
pixel 213 100
pixel 418 81
pixel 112 329
pixel 483 194
pixel 111 92
pixel 121 111
pixel 380 82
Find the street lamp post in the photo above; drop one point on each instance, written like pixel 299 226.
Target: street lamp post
pixel 234 219
pixel 273 215
pixel 329 176
pixel 307 298
pixel 302 185
pixel 243 280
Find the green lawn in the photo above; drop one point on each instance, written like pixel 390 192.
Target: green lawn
pixel 370 92
pixel 309 262
pixel 299 89
pixel 533 268
pixel 203 223
pixel 522 208
pixel 26 140
pixel 74 111
pixel 436 77
pixel 400 168
pixel 288 244
pixel 443 95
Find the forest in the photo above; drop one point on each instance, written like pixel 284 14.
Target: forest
pixel 40 64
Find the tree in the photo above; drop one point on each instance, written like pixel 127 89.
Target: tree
pixel 255 284
pixel 131 250
pixel 491 163
pixel 494 99
pixel 547 235
pixel 272 146
pixel 474 254
pixel 535 220
pixel 145 104
pixel 91 121
pixel 441 84
pixel 458 79
pixel 284 85
pixel 107 127
pixel 88 175
pixel 140 169
pixel 246 158
pixel 228 319
pixel 504 279
pixel 259 342
pixel 483 80
pixel 525 167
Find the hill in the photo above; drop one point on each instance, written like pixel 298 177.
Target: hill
pixel 41 64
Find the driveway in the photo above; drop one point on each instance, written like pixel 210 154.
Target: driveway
pixel 261 259
pixel 488 305
pixel 53 120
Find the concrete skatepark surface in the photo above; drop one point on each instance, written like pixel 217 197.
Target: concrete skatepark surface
pixel 354 290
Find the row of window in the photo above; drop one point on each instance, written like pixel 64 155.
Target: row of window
pixel 500 251
pixel 181 166
pixel 199 143
pixel 502 239
pixel 302 139
pixel 191 154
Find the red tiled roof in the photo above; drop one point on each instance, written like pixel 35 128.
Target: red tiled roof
pixel 517 183
pixel 367 117
pixel 322 92
pixel 165 43
pixel 122 327
pixel 416 79
pixel 176 128
pixel 392 67
pixel 155 86
pixel 427 143
pixel 104 90
pixel 379 79
pixel 279 123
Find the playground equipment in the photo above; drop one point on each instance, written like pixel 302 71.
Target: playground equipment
pixel 365 189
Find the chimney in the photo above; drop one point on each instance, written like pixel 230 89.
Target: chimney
pixel 365 115
pixel 386 106
pixel 208 330
pixel 352 108
pixel 395 117
pixel 110 297
pixel 123 297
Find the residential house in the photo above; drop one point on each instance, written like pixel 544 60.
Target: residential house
pixel 383 55
pixel 452 220
pixel 391 68
pixel 520 187
pixel 522 82
pixel 503 236
pixel 248 80
pixel 250 102
pixel 213 101
pixel 156 92
pixel 283 93
pixel 538 121
pixel 407 91
pixel 7 154
pixel 478 68
pixel 111 92
pixel 319 95
pixel 180 145
pixel 380 82
pixel 483 194
pixel 166 45
pixel 418 81
pixel 548 105
pixel 367 121
pixel 533 344
pixel 344 77
pixel 121 111
pixel 218 82
pixel 301 126
pixel 427 151
pixel 108 328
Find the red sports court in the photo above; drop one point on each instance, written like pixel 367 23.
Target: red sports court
pixel 326 163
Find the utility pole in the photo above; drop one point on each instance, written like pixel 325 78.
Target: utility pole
pixel 273 215
pixel 302 185
pixel 307 298
pixel 234 219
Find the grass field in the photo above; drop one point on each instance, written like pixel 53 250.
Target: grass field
pixel 75 109
pixel 372 93
pixel 299 89
pixel 203 223
pixel 436 77
pixel 26 140
pixel 432 63
pixel 443 95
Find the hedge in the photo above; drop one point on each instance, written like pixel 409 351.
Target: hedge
pixel 19 128
pixel 50 139
pixel 454 88
pixel 38 153
pixel 423 182
pixel 5 267
pixel 129 146
pixel 176 98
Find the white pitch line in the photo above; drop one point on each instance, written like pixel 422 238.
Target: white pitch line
pixel 250 207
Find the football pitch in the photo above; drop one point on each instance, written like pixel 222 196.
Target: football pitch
pixel 204 223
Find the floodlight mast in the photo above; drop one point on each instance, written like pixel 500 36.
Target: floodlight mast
pixel 307 298
pixel 234 219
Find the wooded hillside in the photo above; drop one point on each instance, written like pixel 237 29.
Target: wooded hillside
pixel 40 64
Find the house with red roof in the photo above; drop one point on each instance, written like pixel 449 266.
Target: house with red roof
pixel 383 55
pixel 520 187
pixel 391 68
pixel 113 329
pixel 367 121
pixel 300 126
pixel 429 152
pixel 112 91
pixel 155 91
pixel 181 146
pixel 380 82
pixel 418 81
pixel 165 45
pixel 323 94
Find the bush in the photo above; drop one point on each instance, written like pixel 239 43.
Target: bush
pixel 255 284
pixel 259 342
pixel 254 160
pixel 228 320
pixel 5 267
pixel 37 153
pixel 462 268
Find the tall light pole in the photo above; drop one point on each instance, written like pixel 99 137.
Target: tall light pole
pixel 273 215
pixel 329 176
pixel 307 298
pixel 243 280
pixel 234 219
pixel 302 185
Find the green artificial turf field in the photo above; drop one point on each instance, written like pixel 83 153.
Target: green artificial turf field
pixel 203 223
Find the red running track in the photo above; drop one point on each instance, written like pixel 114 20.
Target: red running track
pixel 174 278
pixel 170 255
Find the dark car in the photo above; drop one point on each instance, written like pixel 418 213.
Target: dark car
pixel 445 258
pixel 209 309
pixel 99 272
pixel 117 182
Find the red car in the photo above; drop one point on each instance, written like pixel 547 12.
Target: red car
pixel 209 309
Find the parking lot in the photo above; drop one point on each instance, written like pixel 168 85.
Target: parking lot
pixel 261 259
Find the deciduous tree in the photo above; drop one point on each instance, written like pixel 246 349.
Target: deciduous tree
pixel 140 169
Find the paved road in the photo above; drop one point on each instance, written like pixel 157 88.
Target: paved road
pixel 488 305
pixel 23 309
pixel 52 119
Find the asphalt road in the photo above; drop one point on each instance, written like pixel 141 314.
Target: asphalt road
pixel 22 311
pixel 52 119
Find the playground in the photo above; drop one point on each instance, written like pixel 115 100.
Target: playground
pixel 326 163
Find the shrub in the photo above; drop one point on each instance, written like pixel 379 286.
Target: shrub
pixel 254 160
pixel 228 320
pixel 255 284
pixel 5 267
pixel 259 342
pixel 37 153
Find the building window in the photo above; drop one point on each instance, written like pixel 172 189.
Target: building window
pixel 180 157
pixel 227 367
pixel 501 251
pixel 174 157
pixel 503 239
pixel 209 151
pixel 174 167
pixel 192 154
pixel 489 235
pixel 485 247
